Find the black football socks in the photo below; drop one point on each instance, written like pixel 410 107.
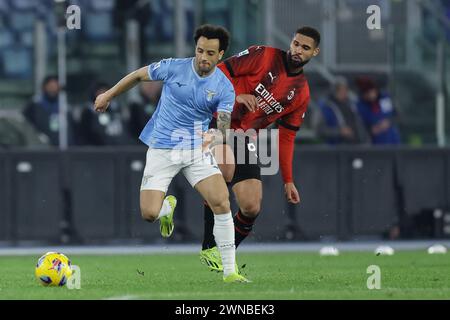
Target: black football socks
pixel 242 226
pixel 208 235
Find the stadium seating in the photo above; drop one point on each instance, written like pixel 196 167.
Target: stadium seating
pixel 17 62
pixel 161 25
pixel 98 47
pixel 6 39
pixel 98 20
pixel 17 19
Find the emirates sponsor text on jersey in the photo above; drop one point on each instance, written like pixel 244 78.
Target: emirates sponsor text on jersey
pixel 266 101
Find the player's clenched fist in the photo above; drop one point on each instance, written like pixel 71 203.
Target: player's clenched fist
pixel 102 102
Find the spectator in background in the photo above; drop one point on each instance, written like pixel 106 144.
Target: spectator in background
pixel 142 110
pixel 43 112
pixel 337 120
pixel 377 112
pixel 101 129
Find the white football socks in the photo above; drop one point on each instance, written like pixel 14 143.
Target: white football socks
pixel 224 236
pixel 165 209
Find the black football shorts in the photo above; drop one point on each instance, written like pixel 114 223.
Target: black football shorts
pixel 245 151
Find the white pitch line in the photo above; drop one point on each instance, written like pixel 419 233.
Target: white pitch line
pixel 195 248
pixel 195 294
pixel 272 293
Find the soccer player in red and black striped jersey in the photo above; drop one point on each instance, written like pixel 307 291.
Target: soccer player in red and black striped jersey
pixel 270 87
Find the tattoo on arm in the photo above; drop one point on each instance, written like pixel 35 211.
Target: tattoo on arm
pixel 223 123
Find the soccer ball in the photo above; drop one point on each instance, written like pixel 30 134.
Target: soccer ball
pixel 53 269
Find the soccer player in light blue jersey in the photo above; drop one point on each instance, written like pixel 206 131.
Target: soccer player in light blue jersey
pixel 194 89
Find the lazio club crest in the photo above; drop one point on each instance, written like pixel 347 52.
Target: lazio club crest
pixel 210 95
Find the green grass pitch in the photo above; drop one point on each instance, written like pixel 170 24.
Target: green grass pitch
pixel 406 275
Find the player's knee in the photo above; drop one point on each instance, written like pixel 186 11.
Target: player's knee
pixel 251 209
pixel 149 214
pixel 220 205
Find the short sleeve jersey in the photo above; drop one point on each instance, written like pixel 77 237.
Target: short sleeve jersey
pixel 187 104
pixel 282 96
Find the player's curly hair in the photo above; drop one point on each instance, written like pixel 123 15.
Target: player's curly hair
pixel 210 31
pixel 310 32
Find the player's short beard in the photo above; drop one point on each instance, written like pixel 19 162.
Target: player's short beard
pixel 296 64
pixel 204 70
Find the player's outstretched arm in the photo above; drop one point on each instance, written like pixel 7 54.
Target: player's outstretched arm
pixel 103 100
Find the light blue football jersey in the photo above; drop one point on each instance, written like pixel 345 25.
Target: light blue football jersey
pixel 187 104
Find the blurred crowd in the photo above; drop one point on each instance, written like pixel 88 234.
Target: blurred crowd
pixel 363 116
pixel 39 123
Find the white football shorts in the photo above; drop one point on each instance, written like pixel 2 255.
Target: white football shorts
pixel 162 165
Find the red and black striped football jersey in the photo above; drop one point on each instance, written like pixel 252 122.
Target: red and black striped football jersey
pixel 263 72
